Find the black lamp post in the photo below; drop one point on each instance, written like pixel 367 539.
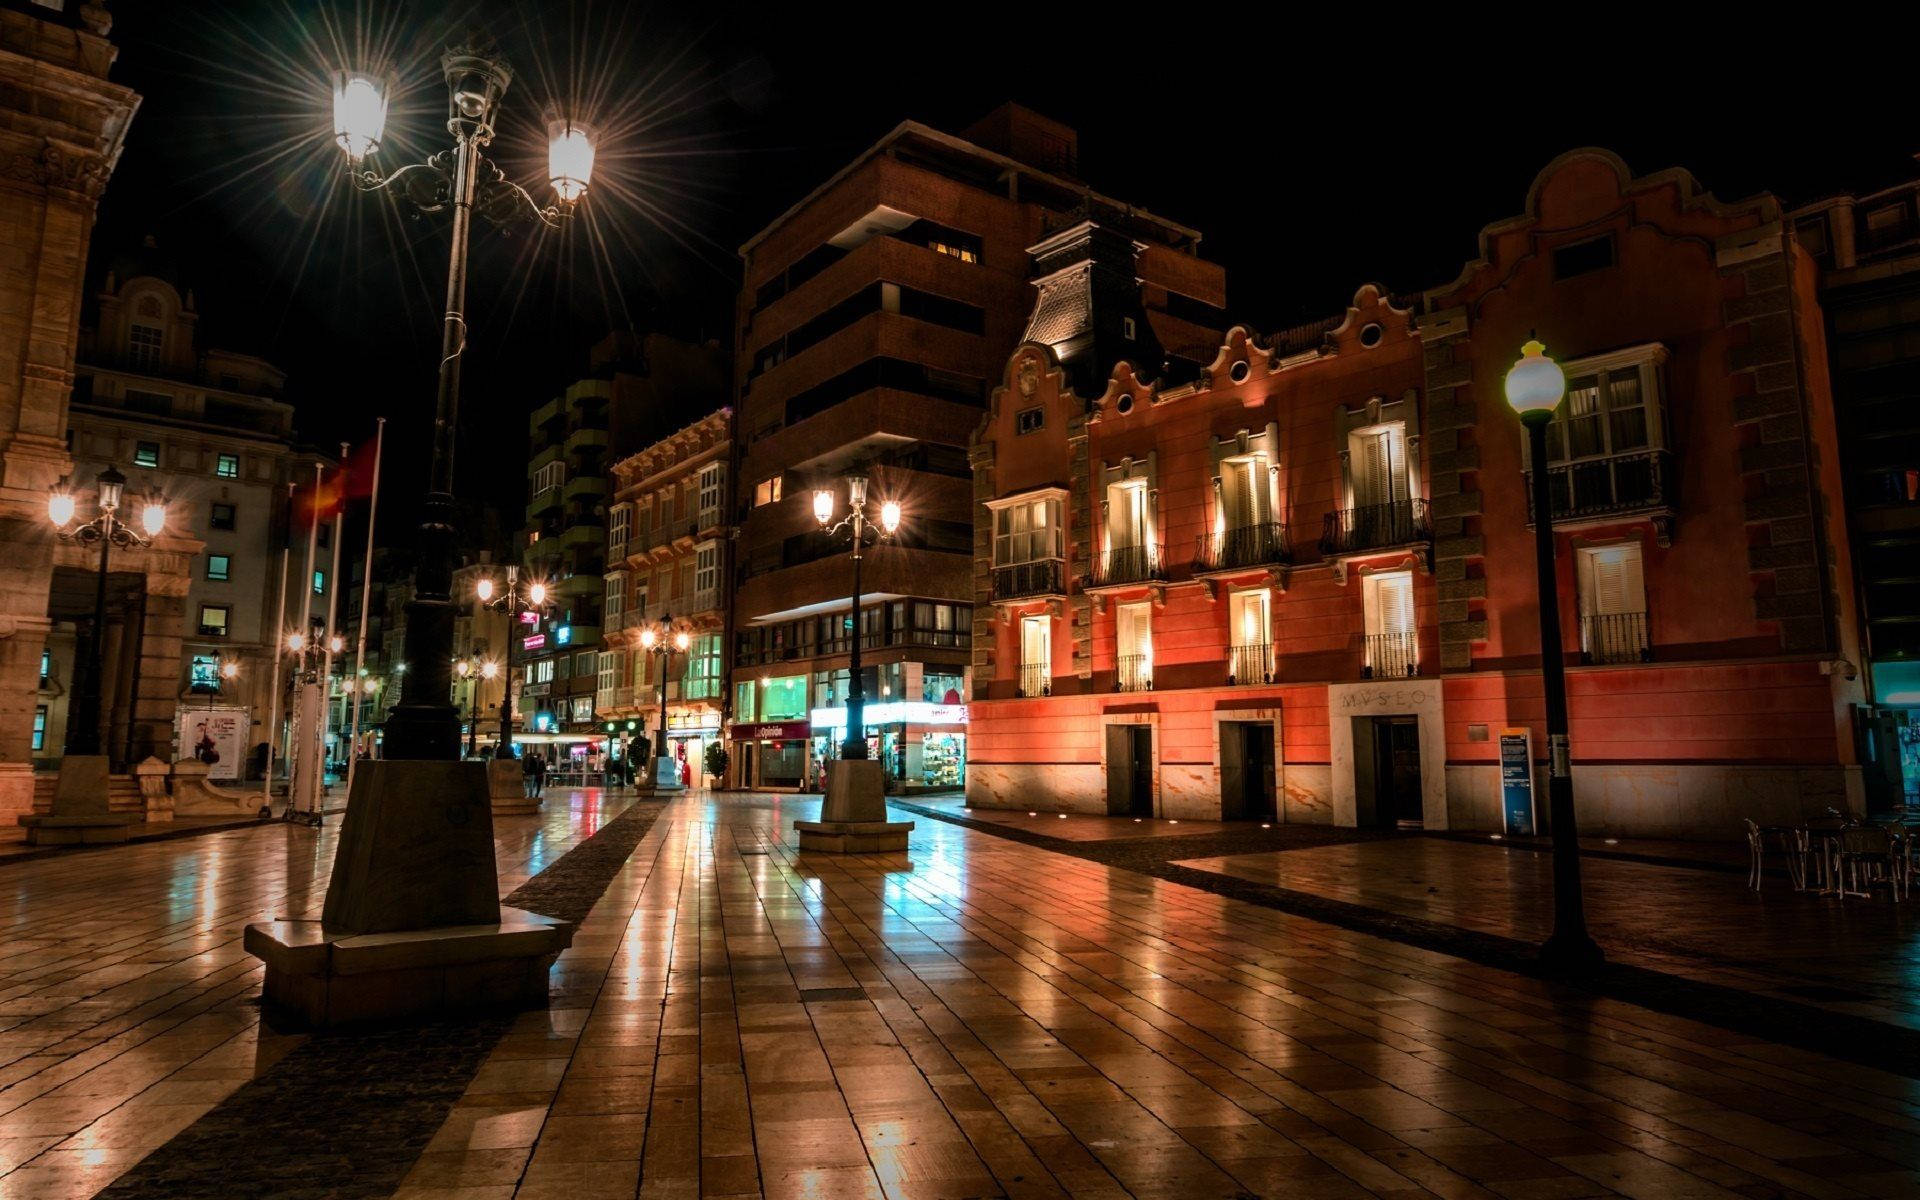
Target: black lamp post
pixel 662 640
pixel 862 531
pixel 106 529
pixel 1535 387
pixel 425 724
pixel 520 596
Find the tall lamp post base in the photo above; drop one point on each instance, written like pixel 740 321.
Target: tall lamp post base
pixel 663 775
pixel 79 814
pixel 853 817
pixel 1575 954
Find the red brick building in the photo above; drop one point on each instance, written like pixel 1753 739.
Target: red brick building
pixel 1299 585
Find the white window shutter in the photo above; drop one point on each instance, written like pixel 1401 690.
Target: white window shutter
pixel 1396 603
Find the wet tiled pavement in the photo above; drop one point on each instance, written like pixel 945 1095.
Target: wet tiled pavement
pixel 977 1017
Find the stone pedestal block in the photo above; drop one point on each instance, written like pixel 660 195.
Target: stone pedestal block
pixel 79 812
pixel 663 775
pixel 416 849
pixel 507 788
pixel 328 978
pixel 853 817
pixel 194 796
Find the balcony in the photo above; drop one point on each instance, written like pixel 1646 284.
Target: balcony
pixel 1392 655
pixel 1614 638
pixel 1259 545
pixel 1125 565
pixel 1250 665
pixel 1021 581
pixel 1133 673
pixel 1375 527
pixel 1607 487
pixel 1034 680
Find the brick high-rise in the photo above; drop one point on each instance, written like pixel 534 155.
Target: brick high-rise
pixel 876 314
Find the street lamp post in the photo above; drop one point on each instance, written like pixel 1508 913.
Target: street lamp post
pixel 520 596
pixel 425 724
pixel 853 815
pixel 1535 386
pixel 662 640
pixel 108 530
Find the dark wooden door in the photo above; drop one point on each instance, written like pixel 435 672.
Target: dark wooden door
pixel 1141 745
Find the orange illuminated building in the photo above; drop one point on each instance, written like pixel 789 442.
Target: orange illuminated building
pixel 1298 583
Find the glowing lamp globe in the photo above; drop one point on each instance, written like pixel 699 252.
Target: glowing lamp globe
pixel 112 485
pixel 890 516
pixel 681 641
pixel 484 589
pixel 296 642
pixel 1536 383
pixel 823 506
pixel 569 158
pixel 60 508
pixel 359 112
pixel 489 669
pixel 648 638
pixel 153 518
pixel 229 670
pixel 464 668
pixel 537 593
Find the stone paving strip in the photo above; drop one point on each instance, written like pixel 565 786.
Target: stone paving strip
pixel 346 1114
pixel 1196 862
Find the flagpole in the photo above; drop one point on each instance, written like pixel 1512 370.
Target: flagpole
pixel 366 602
pixel 274 649
pixel 298 781
pixel 333 616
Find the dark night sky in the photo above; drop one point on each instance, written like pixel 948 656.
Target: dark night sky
pixel 1315 151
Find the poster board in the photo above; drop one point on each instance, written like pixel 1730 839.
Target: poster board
pixel 1516 782
pixel 217 736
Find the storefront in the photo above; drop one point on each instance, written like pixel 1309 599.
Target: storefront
pixel 922 746
pixel 770 754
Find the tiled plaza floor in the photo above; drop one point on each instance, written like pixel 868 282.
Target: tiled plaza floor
pixel 977 1017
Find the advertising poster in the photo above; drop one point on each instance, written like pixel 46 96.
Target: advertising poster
pixel 215 736
pixel 1516 781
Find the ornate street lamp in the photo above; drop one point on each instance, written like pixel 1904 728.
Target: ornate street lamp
pixel 108 530
pixel 862 531
pixel 426 724
pixel 1535 386
pixel 520 596
pixel 662 640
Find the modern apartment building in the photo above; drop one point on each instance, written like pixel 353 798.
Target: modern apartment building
pixel 669 544
pixel 1298 584
pixel 1868 248
pixel 877 313
pixel 636 388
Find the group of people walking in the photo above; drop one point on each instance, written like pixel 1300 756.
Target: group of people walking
pixel 533 774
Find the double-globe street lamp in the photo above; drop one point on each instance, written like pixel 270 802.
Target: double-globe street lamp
pixel 1535 386
pixel 521 597
pixel 311 655
pixel 426 724
pixel 862 530
pixel 471 670
pixel 662 639
pixel 108 530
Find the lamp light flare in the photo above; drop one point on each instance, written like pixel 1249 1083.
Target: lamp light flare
pixel 296 642
pixel 681 641
pixel 153 518
pixel 890 516
pixel 648 638
pixel 335 645
pixel 569 158
pixel 1535 383
pixel 359 112
pixel 489 669
pixel 464 667
pixel 229 669
pixel 60 508
pixel 823 506
pixel 484 589
pixel 537 593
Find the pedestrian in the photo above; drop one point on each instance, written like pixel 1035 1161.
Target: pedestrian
pixel 539 776
pixel 526 775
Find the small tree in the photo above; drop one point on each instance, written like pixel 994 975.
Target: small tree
pixel 717 760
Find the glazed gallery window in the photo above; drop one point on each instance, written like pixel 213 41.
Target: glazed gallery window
pixel 1029 531
pixel 706 571
pixel 227 466
pixel 219 567
pixel 767 491
pixel 619 519
pixel 214 620
pixel 616 593
pixel 40 727
pixel 713 480
pixel 549 477
pixel 143 346
pixel 1612 408
pixel 146 454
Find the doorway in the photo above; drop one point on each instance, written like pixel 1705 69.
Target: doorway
pixel 1130 770
pixel 1247 771
pixel 1386 768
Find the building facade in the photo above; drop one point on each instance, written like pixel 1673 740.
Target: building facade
pixel 1868 249
pixel 1298 585
pixel 669 547
pixel 874 314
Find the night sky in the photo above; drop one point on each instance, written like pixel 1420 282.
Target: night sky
pixel 1315 152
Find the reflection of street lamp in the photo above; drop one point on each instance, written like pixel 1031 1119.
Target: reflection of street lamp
pixel 859 526
pixel 426 725
pixel 521 596
pixel 106 528
pixel 1535 387
pixel 663 639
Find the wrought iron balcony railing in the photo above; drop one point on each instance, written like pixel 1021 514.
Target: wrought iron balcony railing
pixel 1375 526
pixel 1600 487
pixel 1133 673
pixel 1392 655
pixel 1614 638
pixel 1257 545
pixel 1034 680
pixel 1047 577
pixel 1130 564
pixel 1250 664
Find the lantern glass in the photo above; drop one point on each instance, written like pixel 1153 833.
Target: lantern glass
pixel 153 518
pixel 60 508
pixel 823 506
pixel 359 113
pixel 1535 383
pixel 112 486
pixel 569 158
pixel 484 589
pixel 890 516
pixel 681 641
pixel 537 593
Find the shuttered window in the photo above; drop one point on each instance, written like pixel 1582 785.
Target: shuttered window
pixel 1127 524
pixel 1379 458
pixel 1251 624
pixel 1389 603
pixel 1036 642
pixel 1611 581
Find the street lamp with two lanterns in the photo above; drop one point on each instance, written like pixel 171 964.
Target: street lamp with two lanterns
pixel 663 639
pixel 520 598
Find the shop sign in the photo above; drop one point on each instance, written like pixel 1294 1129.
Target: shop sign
pixel 894 712
pixel 1516 781
pixel 534 642
pixel 777 731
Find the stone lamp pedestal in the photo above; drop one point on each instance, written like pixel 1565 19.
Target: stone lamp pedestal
pixel 853 817
pixel 413 925
pixel 507 788
pixel 663 775
pixel 79 814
